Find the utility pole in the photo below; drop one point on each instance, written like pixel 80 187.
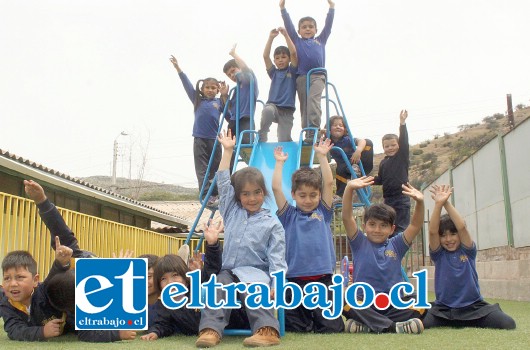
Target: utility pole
pixel 511 120
pixel 115 159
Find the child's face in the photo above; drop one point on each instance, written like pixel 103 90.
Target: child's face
pixel 306 197
pixel 390 147
pixel 450 241
pixel 281 61
pixel 19 283
pixel 307 29
pixel 252 197
pixel 210 89
pixel 337 129
pixel 377 231
pixel 231 73
pixel 151 290
pixel 172 277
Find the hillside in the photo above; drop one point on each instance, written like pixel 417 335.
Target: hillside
pixel 429 159
pixel 145 190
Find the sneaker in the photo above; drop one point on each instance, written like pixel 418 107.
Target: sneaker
pixel 336 200
pixel 213 201
pixel 184 252
pixel 412 326
pixel 265 336
pixel 208 338
pixel 353 326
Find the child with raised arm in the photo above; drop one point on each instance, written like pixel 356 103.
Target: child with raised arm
pixel 394 173
pixel 280 106
pixel 310 252
pixel 458 300
pixel 377 260
pixel 363 153
pixel 25 308
pixel 311 54
pixel 254 247
pixel 207 108
pixel 170 269
pixel 236 69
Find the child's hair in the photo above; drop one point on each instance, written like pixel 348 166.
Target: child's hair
pixel 335 118
pixel 170 263
pixel 380 211
pixel 198 89
pixel 446 224
pixel 61 291
pixel 151 260
pixel 307 18
pixel 308 177
pixel 230 64
pixel 247 175
pixel 390 137
pixel 282 49
pixel 19 258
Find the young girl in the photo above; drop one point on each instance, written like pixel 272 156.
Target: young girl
pixel 254 247
pixel 170 269
pixel 207 108
pixel 458 300
pixel 364 152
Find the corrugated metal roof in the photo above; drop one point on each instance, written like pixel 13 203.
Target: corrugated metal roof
pixel 35 169
pixel 187 211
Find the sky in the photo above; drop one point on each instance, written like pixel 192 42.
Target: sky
pixel 75 74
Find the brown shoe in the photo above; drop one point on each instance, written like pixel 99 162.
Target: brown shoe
pixel 208 338
pixel 265 336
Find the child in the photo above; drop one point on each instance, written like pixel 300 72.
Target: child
pixel 254 247
pixel 394 172
pixel 310 252
pixel 458 300
pixel 281 104
pixel 152 290
pixel 364 153
pixel 171 268
pixel 234 69
pixel 207 108
pixel 311 54
pixel 377 260
pixel 28 315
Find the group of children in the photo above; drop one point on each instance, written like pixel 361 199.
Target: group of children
pixel 257 242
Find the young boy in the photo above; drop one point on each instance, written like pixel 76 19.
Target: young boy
pixel 280 106
pixel 310 252
pixel 311 54
pixel 234 68
pixel 27 312
pixel 394 172
pixel 377 260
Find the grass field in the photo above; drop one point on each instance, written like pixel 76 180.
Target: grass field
pixel 438 338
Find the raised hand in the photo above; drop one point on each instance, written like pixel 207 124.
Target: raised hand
pixel 226 139
pixel 63 254
pixel 323 146
pixel 360 182
pixel 212 231
pixel 127 254
pixel 196 262
pixel 223 88
pixel 175 63
pixel 403 116
pixel 441 193
pixel 273 33
pixel 331 4
pixel 280 155
pixel 233 50
pixel 282 4
pixel 413 193
pixel 34 191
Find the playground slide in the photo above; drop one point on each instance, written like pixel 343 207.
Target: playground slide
pixel 263 159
